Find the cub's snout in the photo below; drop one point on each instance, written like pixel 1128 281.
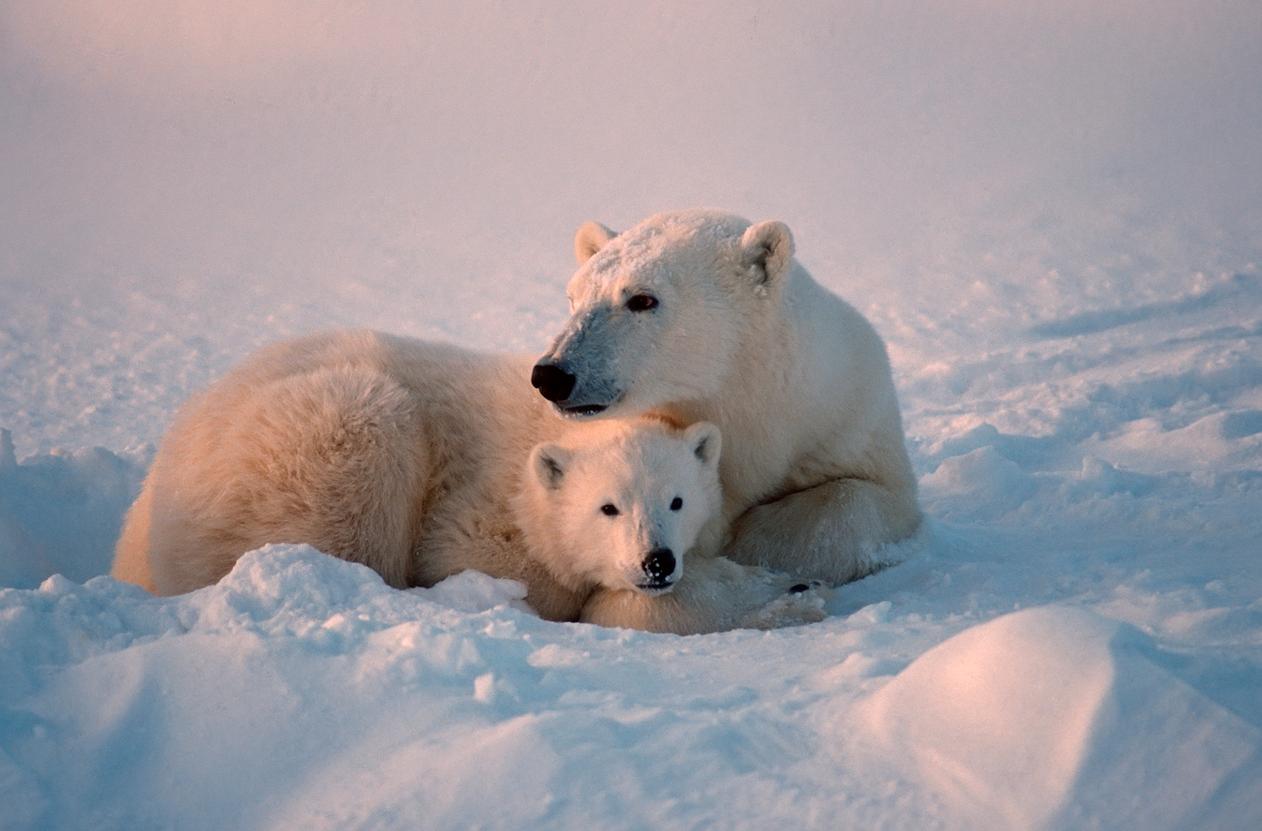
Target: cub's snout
pixel 659 567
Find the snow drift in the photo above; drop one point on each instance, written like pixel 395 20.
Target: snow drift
pixel 1050 716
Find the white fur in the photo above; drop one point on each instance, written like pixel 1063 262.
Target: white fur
pixel 816 476
pixel 420 461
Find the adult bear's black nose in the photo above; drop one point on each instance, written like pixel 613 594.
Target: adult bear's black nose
pixel 659 564
pixel 553 383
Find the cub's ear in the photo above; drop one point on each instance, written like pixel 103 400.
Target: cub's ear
pixel 706 441
pixel 590 238
pixel 767 247
pixel 548 462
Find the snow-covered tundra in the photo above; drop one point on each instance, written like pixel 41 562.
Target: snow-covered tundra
pixel 700 316
pixel 422 461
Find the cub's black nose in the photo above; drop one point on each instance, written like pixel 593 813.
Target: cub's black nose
pixel 553 383
pixel 660 563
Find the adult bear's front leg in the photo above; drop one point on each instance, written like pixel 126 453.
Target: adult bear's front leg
pixel 832 531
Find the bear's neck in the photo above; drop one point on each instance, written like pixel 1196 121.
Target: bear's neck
pixel 758 402
pixel 759 376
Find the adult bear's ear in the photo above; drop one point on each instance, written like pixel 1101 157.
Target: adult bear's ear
pixel 548 462
pixel 767 248
pixel 590 238
pixel 706 441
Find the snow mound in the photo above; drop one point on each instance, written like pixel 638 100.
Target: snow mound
pixel 61 512
pixel 301 691
pixel 284 674
pixel 1058 717
pixel 298 589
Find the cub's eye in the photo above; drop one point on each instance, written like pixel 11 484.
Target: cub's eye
pixel 609 509
pixel 676 504
pixel 641 303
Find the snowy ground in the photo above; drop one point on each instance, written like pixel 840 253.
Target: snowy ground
pixel 1054 217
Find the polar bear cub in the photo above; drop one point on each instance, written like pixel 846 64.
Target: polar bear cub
pixel 618 504
pixel 618 507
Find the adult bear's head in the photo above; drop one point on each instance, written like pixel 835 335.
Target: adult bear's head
pixel 661 312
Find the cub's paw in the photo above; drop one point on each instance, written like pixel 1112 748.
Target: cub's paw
pixel 802 603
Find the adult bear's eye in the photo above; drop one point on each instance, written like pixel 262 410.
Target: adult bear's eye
pixel 676 504
pixel 642 302
pixel 609 509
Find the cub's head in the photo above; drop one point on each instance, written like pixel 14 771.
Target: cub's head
pixel 618 505
pixel 658 312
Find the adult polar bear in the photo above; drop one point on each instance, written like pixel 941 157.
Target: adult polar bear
pixel 701 316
